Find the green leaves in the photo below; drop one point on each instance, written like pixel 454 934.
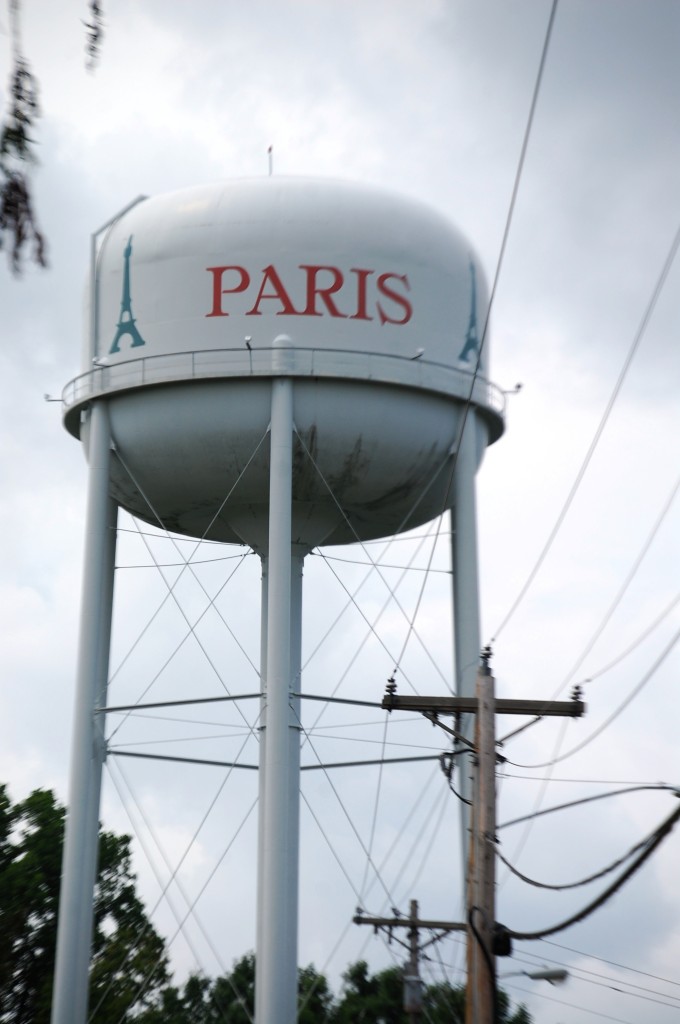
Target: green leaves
pixel 23 111
pixel 18 225
pixel 129 979
pixel 94 29
pixel 30 866
pixel 129 963
pixel 368 999
pixel 17 221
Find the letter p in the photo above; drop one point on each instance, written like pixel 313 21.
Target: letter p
pixel 242 278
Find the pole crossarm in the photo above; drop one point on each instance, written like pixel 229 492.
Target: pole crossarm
pixel 468 706
pixel 408 923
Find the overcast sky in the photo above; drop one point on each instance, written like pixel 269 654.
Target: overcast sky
pixel 429 99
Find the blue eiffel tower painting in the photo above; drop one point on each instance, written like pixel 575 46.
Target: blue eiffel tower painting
pixel 126 321
pixel 471 345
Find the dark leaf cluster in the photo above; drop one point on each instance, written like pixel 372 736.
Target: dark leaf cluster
pixel 94 29
pixel 23 111
pixel 365 999
pixel 129 961
pixel 17 221
pixel 371 998
pixel 18 226
pixel 129 979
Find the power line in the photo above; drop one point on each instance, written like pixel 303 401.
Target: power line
pixel 513 197
pixel 624 586
pixel 587 782
pixel 651 305
pixel 624 992
pixel 615 714
pixel 532 959
pixel 556 758
pixel 506 232
pixel 576 973
pixel 588 800
pixel 572 885
pixel 636 643
pixel 611 963
pixel 650 847
pixel 572 1006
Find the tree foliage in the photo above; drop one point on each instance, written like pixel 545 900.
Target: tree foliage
pixel 231 998
pixel 30 866
pixel 370 999
pixel 365 999
pixel 129 963
pixel 94 31
pixel 129 979
pixel 18 224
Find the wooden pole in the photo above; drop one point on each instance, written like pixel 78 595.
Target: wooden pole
pixel 481 990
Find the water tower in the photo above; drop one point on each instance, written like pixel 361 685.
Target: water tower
pixel 281 362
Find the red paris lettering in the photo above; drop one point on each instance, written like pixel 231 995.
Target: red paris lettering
pixel 325 286
pixel 271 277
pixel 219 290
pixel 400 300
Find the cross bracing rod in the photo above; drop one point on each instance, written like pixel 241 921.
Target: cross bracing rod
pixel 176 703
pixel 339 700
pixel 231 697
pixel 115 752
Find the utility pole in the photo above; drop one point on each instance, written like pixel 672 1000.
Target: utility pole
pixel 480 1002
pixel 413 986
pixel 486 939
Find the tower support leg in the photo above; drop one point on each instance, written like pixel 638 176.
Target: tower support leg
pixel 466 627
pixel 276 967
pixel 79 865
pixel 264 611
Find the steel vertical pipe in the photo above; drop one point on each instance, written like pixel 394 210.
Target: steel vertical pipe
pixel 277 955
pixel 79 864
pixel 262 760
pixel 466 626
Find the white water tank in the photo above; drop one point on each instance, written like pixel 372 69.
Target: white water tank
pixel 382 303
